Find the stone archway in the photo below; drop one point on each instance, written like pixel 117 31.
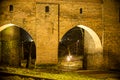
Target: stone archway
pixel 92 48
pixel 16 43
pixel 71 49
pixel 92 58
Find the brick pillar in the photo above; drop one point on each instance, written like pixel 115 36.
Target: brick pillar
pixel 0 47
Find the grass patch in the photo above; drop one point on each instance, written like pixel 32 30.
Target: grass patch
pixel 60 75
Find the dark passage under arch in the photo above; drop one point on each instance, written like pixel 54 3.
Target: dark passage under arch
pixel 80 48
pixel 28 49
pixel 71 48
pixel 17 48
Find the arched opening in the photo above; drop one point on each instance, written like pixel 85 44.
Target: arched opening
pixel 80 48
pixel 28 55
pixel 71 49
pixel 17 47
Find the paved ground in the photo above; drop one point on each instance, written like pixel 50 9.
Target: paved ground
pixel 50 73
pixel 107 75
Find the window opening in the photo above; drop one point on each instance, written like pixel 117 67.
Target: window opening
pixel 11 8
pixel 119 14
pixel 47 9
pixel 80 10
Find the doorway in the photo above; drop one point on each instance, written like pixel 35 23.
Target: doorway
pixel 80 48
pixel 71 49
pixel 17 47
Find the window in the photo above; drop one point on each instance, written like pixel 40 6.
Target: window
pixel 119 15
pixel 47 9
pixel 80 10
pixel 11 8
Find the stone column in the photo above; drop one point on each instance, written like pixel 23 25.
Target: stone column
pixel 0 47
pixel 11 46
pixel 94 56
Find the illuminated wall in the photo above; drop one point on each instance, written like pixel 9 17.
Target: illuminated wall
pixel 47 22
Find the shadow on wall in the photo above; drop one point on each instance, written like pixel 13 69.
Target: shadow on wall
pixel 113 61
pixel 117 1
pixel 1 1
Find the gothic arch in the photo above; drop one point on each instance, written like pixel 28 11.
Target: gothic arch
pixel 23 42
pixel 11 25
pixel 93 50
pixel 94 36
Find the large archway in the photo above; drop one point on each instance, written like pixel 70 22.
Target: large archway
pixel 80 48
pixel 17 46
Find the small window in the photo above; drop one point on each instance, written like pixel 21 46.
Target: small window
pixel 11 8
pixel 80 10
pixel 119 14
pixel 47 9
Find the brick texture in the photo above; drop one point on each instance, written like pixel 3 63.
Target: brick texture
pixel 48 28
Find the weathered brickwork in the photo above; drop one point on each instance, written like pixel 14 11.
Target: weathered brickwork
pixel 111 34
pixel 70 16
pixel 47 39
pixel 47 27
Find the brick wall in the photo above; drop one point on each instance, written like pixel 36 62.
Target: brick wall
pixel 111 34
pixel 91 16
pixel 46 28
pixel 47 33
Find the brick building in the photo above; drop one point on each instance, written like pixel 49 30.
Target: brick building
pixel 48 21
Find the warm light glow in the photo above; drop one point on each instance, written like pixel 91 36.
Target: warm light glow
pixel 31 40
pixel 69 58
pixel 6 26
